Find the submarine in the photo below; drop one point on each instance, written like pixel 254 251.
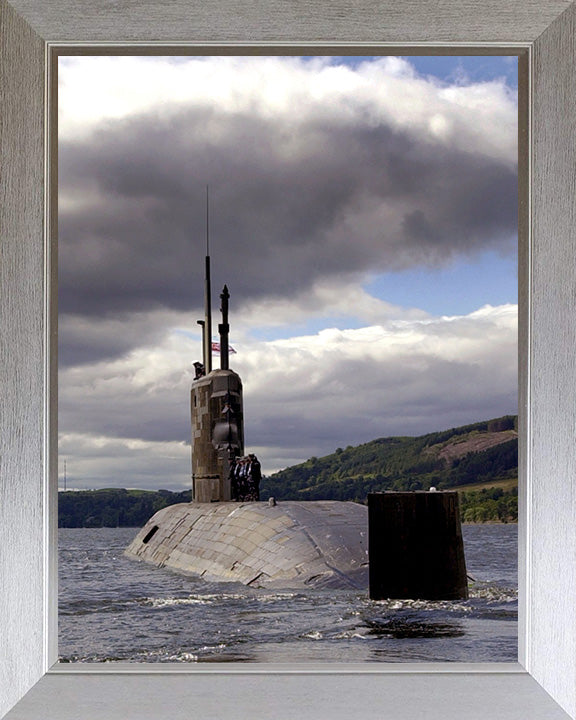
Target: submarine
pixel 399 545
pixel 223 536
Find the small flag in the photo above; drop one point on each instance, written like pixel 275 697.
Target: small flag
pixel 216 348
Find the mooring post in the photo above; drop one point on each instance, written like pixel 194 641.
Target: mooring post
pixel 415 546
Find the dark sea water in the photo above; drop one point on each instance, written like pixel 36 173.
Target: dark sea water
pixel 115 609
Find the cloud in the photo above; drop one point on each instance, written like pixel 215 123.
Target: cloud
pixel 316 172
pixel 95 462
pixel 305 395
pixel 346 387
pixel 83 339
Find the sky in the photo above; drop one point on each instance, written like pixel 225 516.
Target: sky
pixel 363 213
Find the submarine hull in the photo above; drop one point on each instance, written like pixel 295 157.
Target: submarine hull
pixel 288 545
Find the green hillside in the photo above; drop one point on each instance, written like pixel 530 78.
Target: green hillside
pixel 113 507
pixel 480 455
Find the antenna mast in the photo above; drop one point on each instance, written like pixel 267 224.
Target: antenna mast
pixel 207 335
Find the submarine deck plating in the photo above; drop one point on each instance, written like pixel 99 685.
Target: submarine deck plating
pixel 289 545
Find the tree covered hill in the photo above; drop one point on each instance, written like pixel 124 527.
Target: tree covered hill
pixel 113 507
pixel 472 454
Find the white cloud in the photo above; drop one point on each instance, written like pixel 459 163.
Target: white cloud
pixel 333 297
pixel 479 117
pixel 303 395
pixel 94 461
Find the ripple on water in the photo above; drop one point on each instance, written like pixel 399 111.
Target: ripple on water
pixel 113 610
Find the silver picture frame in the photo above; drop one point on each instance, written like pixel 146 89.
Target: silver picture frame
pixel 542 685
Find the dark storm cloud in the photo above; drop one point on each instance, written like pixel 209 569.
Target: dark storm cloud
pixel 291 202
pixel 89 339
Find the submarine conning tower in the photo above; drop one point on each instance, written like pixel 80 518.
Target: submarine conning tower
pixel 217 433
pixel 217 412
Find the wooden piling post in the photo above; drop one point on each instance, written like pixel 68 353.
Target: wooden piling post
pixel 415 546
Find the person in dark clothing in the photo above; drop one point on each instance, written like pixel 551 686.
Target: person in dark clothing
pixel 255 473
pixel 233 480
pixel 245 475
pixel 240 474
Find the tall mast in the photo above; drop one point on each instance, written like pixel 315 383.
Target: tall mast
pixel 224 329
pixel 207 334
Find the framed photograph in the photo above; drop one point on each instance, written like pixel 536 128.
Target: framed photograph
pixel 542 684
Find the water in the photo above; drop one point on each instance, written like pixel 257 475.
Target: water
pixel 115 609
